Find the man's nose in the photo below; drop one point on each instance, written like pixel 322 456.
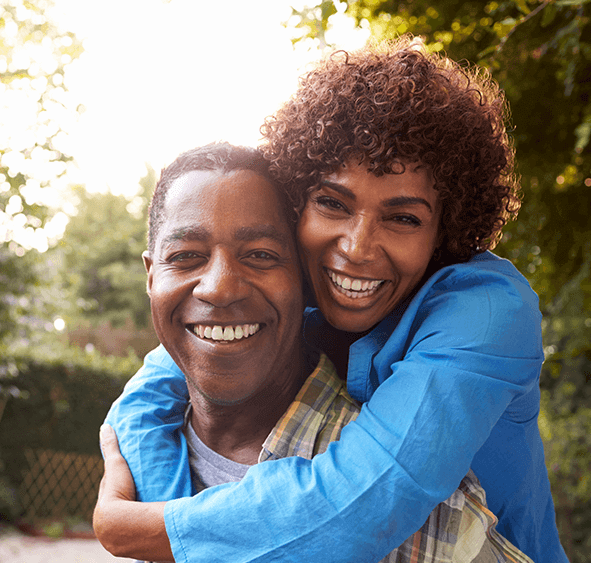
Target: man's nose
pixel 221 282
pixel 358 242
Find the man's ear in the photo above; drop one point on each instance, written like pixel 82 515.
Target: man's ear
pixel 148 265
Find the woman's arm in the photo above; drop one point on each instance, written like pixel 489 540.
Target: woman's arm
pixel 473 346
pixel 126 528
pixel 407 451
pixel 148 420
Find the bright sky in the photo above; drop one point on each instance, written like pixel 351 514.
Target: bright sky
pixel 156 78
pixel 159 77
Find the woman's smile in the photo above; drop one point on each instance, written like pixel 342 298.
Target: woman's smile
pixel 354 288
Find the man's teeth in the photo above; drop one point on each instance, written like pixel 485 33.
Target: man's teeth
pixel 226 333
pixel 355 287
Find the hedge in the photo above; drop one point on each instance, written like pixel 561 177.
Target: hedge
pixel 54 399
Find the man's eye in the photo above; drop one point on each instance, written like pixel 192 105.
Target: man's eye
pixel 183 257
pixel 262 255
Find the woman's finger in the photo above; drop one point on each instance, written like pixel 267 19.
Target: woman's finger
pixel 108 441
pixel 117 481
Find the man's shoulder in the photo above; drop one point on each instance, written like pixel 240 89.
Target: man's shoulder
pixel 316 417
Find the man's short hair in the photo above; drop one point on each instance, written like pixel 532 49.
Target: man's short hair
pixel 219 156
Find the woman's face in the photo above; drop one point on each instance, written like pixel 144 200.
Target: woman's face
pixel 366 241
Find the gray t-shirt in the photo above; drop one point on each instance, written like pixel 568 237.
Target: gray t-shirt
pixel 208 468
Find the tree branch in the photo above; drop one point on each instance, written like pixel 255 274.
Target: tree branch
pixel 521 22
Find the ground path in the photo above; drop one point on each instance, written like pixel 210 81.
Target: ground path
pixel 16 547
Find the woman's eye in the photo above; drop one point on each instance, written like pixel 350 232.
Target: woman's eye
pixel 408 220
pixel 330 203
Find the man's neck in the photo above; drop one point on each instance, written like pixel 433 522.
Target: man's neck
pixel 238 431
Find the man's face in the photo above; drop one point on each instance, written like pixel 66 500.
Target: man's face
pixel 225 287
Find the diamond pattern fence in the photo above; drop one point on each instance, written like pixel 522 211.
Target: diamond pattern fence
pixel 60 484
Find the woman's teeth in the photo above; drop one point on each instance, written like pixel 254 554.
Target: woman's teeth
pixel 227 333
pixel 355 288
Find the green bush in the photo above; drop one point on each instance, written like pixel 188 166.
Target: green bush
pixel 567 438
pixel 53 399
pixel 58 399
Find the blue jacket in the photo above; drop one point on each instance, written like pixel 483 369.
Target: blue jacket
pixel 449 381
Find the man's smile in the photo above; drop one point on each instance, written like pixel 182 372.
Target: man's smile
pixel 225 333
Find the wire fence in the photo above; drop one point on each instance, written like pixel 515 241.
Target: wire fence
pixel 60 484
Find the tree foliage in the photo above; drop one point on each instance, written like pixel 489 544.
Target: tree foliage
pixel 540 52
pixel 99 257
pixel 34 53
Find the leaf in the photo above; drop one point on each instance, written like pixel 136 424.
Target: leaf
pixel 327 9
pixel 583 134
pixel 572 2
pixel 508 22
pixel 523 7
pixel 488 51
pixel 548 15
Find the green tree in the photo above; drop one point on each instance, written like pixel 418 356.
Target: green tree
pixel 540 52
pixel 100 257
pixel 34 53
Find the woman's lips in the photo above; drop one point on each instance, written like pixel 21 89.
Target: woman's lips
pixel 355 288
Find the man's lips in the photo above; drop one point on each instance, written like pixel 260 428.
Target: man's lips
pixel 226 333
pixel 355 288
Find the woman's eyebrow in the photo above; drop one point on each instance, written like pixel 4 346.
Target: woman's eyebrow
pixel 397 201
pixel 338 188
pixel 406 200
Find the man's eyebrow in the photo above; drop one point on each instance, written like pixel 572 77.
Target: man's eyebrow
pixel 187 233
pixel 250 234
pixel 397 201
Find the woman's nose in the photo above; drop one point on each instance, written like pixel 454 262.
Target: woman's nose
pixel 221 283
pixel 357 243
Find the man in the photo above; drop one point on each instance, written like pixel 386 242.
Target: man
pixel 226 299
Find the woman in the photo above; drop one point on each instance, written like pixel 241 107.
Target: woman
pixel 401 167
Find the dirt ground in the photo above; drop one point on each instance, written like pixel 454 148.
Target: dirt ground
pixel 16 547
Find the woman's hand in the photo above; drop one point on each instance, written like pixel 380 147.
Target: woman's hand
pixel 124 527
pixel 117 482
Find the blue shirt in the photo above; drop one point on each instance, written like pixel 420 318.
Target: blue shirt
pixel 449 381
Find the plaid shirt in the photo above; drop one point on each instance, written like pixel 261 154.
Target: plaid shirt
pixel 460 529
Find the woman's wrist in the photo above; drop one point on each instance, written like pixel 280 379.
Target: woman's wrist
pixel 133 529
pixel 125 527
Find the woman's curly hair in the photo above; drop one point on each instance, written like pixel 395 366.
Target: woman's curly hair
pixel 395 103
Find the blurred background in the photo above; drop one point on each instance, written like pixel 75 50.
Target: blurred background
pixel 96 97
